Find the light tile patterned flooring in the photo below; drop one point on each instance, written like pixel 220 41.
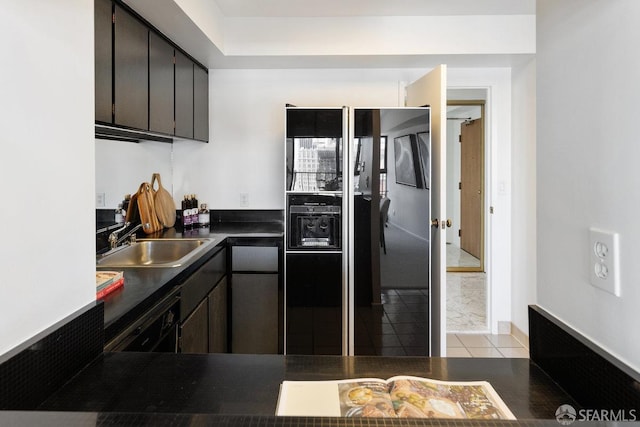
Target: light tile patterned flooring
pixel 467 302
pixel 457 257
pixel 484 345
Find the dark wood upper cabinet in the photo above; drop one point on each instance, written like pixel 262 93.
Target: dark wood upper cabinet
pixel 161 95
pixel 103 12
pixel 184 96
pixel 131 71
pixel 200 104
pixel 143 81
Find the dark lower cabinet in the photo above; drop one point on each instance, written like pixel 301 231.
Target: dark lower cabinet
pixel 184 96
pixel 194 331
pixel 103 11
pixel 205 330
pixel 256 307
pixel 255 313
pixel 131 71
pixel 161 93
pixel 203 308
pixel 218 312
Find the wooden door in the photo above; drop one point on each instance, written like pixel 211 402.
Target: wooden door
pixel 471 187
pixel 431 90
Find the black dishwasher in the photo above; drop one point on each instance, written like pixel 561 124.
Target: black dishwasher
pixel 156 330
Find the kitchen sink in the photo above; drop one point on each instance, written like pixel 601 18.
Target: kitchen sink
pixel 154 253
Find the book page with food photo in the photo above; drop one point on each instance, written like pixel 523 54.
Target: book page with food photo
pixel 396 397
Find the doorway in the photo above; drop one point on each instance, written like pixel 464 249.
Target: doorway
pixel 467 286
pixel 465 185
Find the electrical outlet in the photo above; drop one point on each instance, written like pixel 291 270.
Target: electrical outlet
pixel 604 265
pixel 100 200
pixel 244 200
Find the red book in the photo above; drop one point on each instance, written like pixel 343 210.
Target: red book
pixel 108 289
pixel 106 278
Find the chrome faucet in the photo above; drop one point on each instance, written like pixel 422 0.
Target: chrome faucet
pixel 114 241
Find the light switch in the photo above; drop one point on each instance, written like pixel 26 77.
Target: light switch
pixel 100 200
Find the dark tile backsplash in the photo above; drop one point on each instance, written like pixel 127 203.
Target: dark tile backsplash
pixel 28 375
pixel 237 215
pixel 594 378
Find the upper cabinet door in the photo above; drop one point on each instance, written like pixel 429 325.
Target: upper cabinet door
pixel 131 71
pixel 200 104
pixel 161 96
pixel 103 17
pixel 184 96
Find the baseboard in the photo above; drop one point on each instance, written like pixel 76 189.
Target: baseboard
pixel 504 327
pixel 520 335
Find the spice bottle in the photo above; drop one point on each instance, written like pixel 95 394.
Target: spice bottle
pixel 203 216
pixel 118 214
pixel 186 213
pixel 194 211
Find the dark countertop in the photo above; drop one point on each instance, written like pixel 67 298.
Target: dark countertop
pixel 145 286
pixel 233 389
pixel 226 384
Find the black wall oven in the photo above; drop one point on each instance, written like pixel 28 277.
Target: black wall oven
pixel 314 222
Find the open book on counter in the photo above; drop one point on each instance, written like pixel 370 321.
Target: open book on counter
pixel 396 397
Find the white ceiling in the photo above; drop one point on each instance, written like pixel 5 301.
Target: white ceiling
pixel 257 33
pixel 338 8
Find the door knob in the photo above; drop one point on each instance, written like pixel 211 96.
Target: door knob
pixel 448 223
pixel 435 222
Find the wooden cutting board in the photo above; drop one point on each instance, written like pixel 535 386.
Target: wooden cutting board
pixel 147 210
pixel 164 204
pixel 133 216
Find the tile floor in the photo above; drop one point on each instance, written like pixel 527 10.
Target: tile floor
pixel 457 257
pixel 467 302
pixel 400 328
pixel 484 345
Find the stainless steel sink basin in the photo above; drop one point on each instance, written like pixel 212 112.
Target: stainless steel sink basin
pixel 154 253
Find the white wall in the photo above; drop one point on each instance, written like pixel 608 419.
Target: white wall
pixel 122 166
pixel 587 164
pixel 523 158
pixel 245 153
pixel 47 166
